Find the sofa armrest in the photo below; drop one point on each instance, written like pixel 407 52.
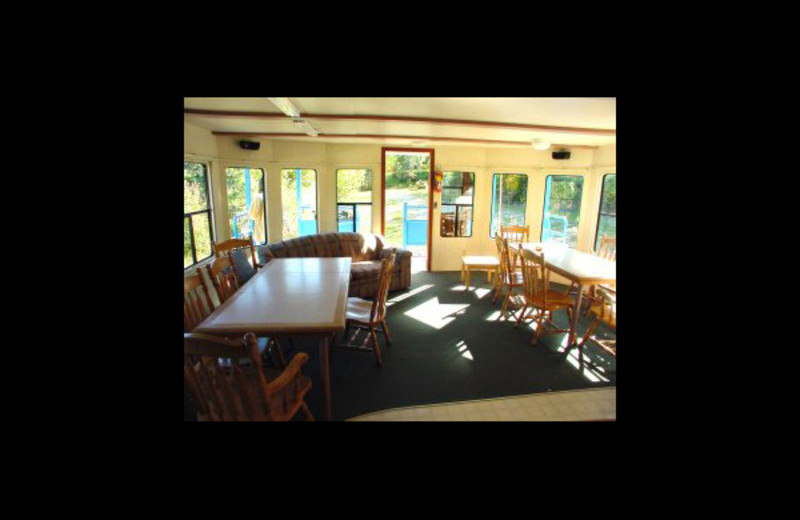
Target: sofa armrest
pixel 401 254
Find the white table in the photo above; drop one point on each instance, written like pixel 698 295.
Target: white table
pixel 289 297
pixel 582 268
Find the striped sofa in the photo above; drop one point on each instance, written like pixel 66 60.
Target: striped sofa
pixel 366 251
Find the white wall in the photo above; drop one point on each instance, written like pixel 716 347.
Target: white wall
pixel 326 158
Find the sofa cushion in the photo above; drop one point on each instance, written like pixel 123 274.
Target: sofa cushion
pixel 241 259
pixel 364 270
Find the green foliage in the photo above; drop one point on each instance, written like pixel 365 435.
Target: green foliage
pixel 405 171
pixel 353 186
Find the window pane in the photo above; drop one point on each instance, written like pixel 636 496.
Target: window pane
pixel 246 209
pixel 299 199
pixel 187 243
pixel 353 186
pixel 364 220
pixel 202 236
pixel 509 200
pixel 345 216
pixel 607 222
pixel 195 187
pixel 562 209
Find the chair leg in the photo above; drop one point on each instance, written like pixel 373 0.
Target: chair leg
pixel 499 290
pixel 505 303
pixel 385 328
pixel 521 314
pixel 375 345
pixel 306 411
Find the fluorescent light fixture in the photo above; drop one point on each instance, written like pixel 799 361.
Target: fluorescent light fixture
pixel 285 106
pixel 538 144
pixel 307 127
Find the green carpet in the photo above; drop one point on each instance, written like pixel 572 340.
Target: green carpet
pixel 467 357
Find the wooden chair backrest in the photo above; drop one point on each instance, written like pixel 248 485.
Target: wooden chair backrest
pixel 515 233
pixel 224 389
pixel 225 248
pixel 195 309
pixel 533 268
pixel 505 258
pixel 608 248
pixel 378 311
pixel 222 274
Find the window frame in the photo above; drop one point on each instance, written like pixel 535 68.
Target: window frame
pixel 209 210
pixel 544 204
pixel 457 206
pixel 355 204
pixel 600 210
pixel 263 190
pixel 491 206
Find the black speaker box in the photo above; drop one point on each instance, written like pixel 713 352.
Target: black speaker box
pixel 561 154
pixel 250 145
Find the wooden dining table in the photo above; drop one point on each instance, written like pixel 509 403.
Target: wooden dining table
pixel 583 269
pixel 289 297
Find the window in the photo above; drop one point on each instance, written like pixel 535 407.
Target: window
pixel 354 201
pixel 197 228
pixel 457 197
pixel 509 200
pixel 247 212
pixel 562 209
pixel 299 196
pixel 607 221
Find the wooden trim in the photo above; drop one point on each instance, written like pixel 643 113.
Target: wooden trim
pixel 387 136
pixel 432 153
pixel 406 119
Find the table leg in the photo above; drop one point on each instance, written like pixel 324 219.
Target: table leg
pixel 573 330
pixel 324 363
pixel 489 275
pixel 462 271
pixel 466 284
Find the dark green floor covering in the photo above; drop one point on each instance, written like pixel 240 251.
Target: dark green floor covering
pixel 425 365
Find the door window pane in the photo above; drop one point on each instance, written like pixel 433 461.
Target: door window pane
pixel 457 199
pixel 299 200
pixel 246 203
pixel 562 209
pixel 509 200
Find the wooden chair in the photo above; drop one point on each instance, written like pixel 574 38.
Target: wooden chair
pixel 224 389
pixel 606 301
pixel 608 251
pixel 225 248
pixel 225 284
pixel 539 298
pixel 370 316
pixel 508 277
pixel 515 235
pixel 196 301
pixel 222 273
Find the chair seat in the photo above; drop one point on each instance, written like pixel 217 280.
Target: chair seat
pixel 555 300
pixel 358 309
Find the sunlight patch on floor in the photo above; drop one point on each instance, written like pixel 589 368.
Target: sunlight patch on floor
pixel 462 348
pixel 592 375
pixel 409 294
pixel 435 314
pixel 479 292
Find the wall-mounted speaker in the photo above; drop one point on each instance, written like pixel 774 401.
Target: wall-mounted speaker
pixel 249 145
pixel 561 154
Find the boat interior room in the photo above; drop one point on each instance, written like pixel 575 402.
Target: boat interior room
pixel 400 259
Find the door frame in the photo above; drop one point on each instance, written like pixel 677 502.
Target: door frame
pixel 432 153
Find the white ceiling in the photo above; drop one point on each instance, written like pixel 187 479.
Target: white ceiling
pixel 591 113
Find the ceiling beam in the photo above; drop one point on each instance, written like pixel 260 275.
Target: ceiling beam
pixel 405 119
pixel 381 136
